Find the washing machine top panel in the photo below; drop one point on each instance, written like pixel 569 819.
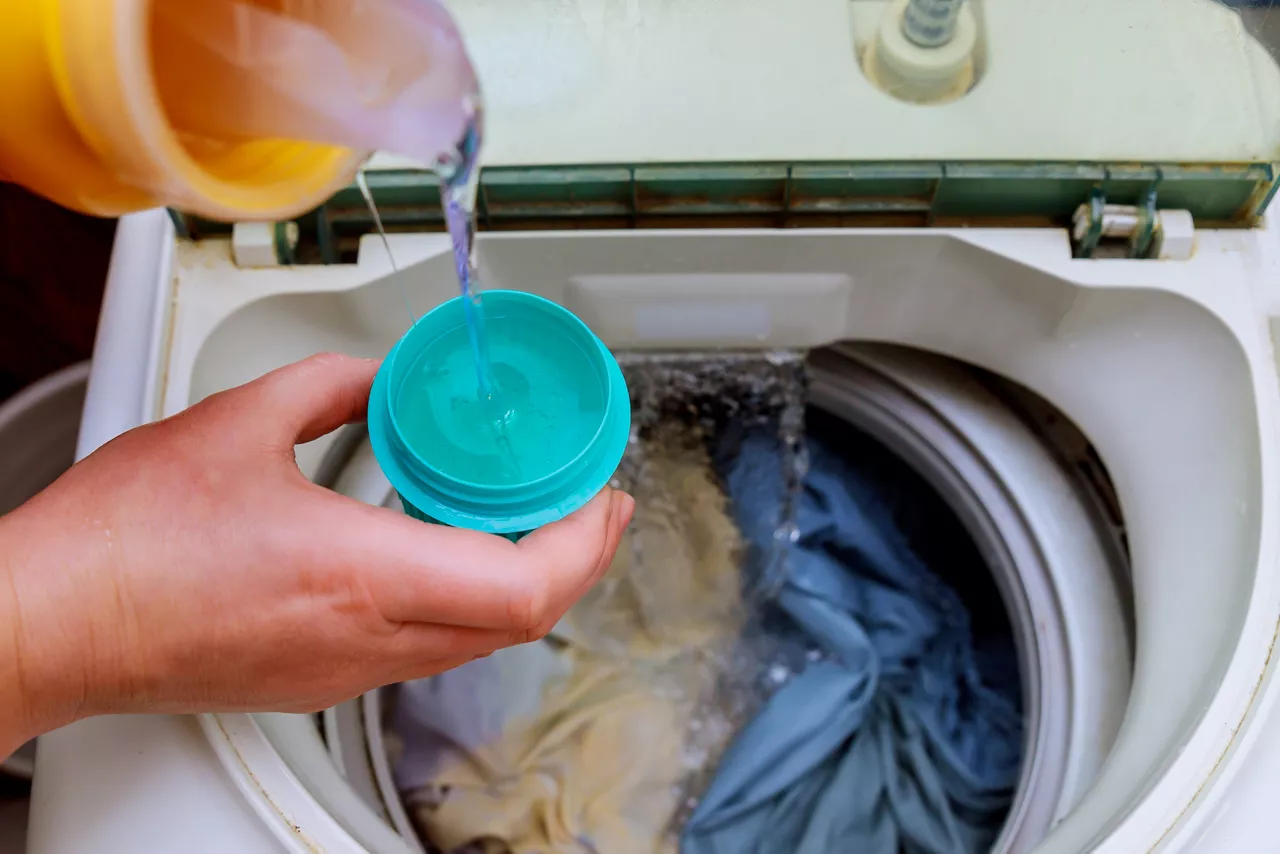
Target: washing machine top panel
pixel 1173 379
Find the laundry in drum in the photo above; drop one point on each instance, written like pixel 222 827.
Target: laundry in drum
pixel 690 705
pixel 893 738
pixel 576 743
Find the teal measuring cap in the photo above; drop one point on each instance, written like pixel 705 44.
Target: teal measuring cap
pixel 547 439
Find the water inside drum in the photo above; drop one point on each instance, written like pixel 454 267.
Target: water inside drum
pixel 716 400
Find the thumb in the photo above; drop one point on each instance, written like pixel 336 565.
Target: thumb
pixel 559 546
pixel 306 400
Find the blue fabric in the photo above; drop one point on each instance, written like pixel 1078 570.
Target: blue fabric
pixel 889 743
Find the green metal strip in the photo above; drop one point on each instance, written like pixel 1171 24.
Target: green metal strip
pixel 1044 191
pixel 865 188
pixel 792 195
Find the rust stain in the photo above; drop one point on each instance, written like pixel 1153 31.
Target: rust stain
pixel 166 351
pixel 306 840
pixel 1235 731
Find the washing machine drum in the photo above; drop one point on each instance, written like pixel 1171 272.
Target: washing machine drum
pixel 1012 471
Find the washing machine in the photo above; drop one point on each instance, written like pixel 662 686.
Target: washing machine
pixel 1042 271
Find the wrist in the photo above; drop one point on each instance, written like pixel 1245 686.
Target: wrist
pixel 16 715
pixel 41 687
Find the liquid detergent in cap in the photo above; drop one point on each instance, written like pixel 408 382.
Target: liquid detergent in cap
pixel 540 445
pixel 516 433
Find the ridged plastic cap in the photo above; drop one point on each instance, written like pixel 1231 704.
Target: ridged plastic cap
pixel 507 508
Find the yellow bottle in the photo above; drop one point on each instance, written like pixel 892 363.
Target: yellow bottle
pixel 230 109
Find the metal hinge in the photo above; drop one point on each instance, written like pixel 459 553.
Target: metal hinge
pixel 1140 231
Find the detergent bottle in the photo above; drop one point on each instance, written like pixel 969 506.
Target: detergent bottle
pixel 229 109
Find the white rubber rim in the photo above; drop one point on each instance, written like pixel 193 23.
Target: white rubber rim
pixel 1049 558
pixel 42 389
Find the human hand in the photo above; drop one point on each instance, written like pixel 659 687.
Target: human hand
pixel 188 565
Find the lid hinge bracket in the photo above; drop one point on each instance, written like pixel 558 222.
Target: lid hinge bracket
pixel 1088 223
pixel 1138 231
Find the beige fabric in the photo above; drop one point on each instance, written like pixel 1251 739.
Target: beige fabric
pixel 674 585
pixel 599 769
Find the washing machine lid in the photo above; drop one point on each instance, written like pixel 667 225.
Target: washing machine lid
pixel 765 113
pixel 603 82
pixel 774 107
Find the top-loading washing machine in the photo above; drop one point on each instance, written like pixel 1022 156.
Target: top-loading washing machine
pixel 1070 197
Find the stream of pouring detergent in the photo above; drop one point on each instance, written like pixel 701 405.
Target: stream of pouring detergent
pixel 459 183
pixel 459 186
pixel 477 401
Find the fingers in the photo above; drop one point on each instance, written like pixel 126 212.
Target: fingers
pixel 304 401
pixel 434 574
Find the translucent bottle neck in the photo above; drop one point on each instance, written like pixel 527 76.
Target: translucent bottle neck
pixel 363 74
